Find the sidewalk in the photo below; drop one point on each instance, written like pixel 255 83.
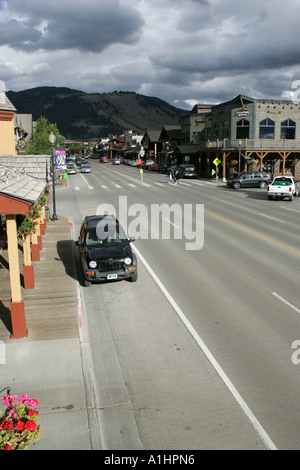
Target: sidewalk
pixel 47 365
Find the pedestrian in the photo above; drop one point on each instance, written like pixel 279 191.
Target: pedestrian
pixel 64 176
pixel 171 175
pixel 177 177
pixel 174 176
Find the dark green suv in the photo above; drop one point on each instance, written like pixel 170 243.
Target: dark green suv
pixel 253 179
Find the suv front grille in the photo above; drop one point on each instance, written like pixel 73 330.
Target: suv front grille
pixel 105 266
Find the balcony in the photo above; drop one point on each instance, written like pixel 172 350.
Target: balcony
pixel 251 144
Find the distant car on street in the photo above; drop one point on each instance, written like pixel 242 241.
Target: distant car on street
pixel 85 168
pixel 153 167
pixel 71 169
pixel 104 160
pixel 116 161
pixel 187 170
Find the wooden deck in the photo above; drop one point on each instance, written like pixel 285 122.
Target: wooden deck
pixel 51 307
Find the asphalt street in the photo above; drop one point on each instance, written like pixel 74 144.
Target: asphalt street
pixel 223 316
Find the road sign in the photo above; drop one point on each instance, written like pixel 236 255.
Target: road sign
pixel 217 161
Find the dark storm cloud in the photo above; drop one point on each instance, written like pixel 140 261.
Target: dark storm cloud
pixel 53 25
pixel 182 52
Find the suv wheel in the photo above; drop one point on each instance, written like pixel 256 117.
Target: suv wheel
pixel 236 185
pixel 263 185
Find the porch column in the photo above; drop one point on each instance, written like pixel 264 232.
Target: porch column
pixel 28 272
pixel 35 248
pixel 43 222
pixel 17 311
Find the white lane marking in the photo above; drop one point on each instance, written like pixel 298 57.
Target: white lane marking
pixel 286 302
pixel 132 185
pixel 146 184
pixel 172 223
pixel 185 184
pixel 103 186
pixel 117 185
pixel 76 188
pixel 89 186
pixel 289 209
pixel 198 184
pixel 159 184
pixel 269 217
pixel 255 423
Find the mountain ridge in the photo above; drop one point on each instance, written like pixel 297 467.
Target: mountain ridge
pixel 81 115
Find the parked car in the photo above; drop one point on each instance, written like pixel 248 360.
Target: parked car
pixel 71 169
pixel 85 168
pixel 116 161
pixel 153 167
pixel 253 179
pixel 104 160
pixel 105 251
pixel 187 170
pixel 80 161
pixel 133 163
pixel 146 163
pixel 283 186
pixel 163 168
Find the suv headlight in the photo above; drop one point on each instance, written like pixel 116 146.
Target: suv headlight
pixel 127 261
pixel 93 264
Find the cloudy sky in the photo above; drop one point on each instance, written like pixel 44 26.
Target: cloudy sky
pixel 184 52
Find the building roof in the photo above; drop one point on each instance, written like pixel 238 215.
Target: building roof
pixel 17 184
pixel 5 104
pixel 188 149
pixel 153 135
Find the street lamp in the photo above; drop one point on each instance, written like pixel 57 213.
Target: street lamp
pixel 52 140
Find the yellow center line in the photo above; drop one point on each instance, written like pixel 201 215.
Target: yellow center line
pixel 254 232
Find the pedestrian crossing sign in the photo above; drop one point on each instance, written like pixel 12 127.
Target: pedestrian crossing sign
pixel 217 161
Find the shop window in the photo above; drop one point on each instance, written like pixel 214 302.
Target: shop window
pixel 226 130
pixel 288 129
pixel 267 129
pixel 242 129
pixel 216 131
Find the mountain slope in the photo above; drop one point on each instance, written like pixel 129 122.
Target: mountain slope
pixel 81 115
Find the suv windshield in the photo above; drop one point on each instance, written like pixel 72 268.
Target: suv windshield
pixel 106 232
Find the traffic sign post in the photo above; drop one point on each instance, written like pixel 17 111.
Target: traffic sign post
pixel 216 162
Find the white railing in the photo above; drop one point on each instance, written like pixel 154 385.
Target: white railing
pixel 252 144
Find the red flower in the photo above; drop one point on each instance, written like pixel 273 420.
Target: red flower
pixel 30 425
pixel 4 425
pixel 20 425
pixel 8 447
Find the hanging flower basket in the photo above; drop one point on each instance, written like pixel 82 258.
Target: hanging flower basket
pixel 19 424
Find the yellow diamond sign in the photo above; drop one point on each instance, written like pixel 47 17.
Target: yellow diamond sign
pixel 216 161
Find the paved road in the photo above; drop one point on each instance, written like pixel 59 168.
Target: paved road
pixel 232 307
